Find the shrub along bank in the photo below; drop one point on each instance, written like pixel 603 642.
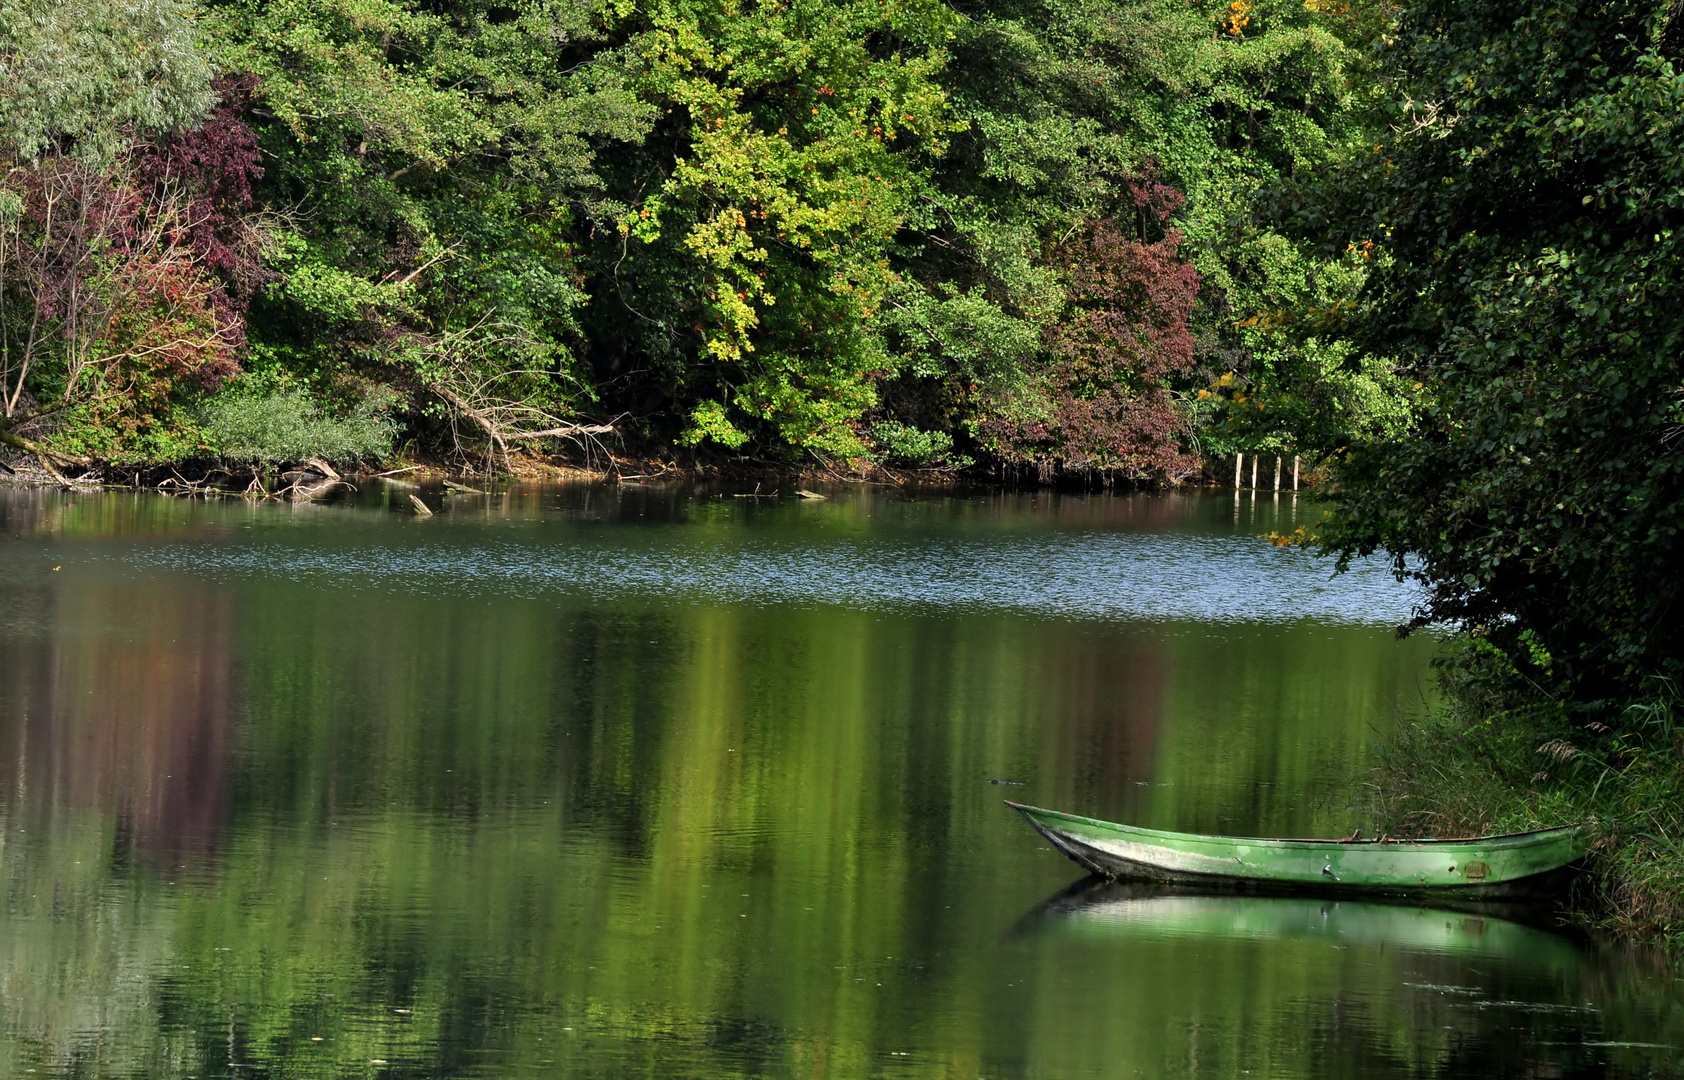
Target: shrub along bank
pixel 1503 754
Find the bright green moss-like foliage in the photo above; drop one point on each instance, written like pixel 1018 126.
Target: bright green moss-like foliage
pixel 288 426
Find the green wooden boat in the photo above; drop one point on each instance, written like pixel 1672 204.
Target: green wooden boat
pixel 1468 867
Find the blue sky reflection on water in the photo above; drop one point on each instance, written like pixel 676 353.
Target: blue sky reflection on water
pixel 1095 575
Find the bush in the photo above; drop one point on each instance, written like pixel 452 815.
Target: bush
pixel 911 446
pixel 288 426
pixel 1104 403
pixel 1527 276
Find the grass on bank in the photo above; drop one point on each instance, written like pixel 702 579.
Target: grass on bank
pixel 1501 754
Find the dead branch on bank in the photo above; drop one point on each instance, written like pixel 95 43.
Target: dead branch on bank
pixel 479 392
pixel 47 458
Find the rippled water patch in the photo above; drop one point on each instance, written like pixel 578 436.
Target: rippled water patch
pixel 1087 575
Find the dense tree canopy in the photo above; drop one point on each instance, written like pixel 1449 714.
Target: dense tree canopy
pixel 85 75
pixel 1525 215
pixel 898 231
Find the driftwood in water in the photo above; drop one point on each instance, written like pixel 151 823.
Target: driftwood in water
pixel 302 492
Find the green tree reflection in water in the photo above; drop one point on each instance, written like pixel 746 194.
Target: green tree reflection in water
pixel 258 826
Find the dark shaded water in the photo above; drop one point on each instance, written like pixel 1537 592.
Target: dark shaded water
pixel 659 783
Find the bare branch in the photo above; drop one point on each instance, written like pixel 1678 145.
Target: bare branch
pixel 569 431
pixel 472 385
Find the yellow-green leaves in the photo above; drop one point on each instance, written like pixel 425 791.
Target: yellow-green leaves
pixel 708 421
pixel 804 149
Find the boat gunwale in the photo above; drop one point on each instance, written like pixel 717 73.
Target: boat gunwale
pixel 1503 839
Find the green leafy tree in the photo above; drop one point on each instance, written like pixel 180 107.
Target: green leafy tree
pixel 435 166
pixel 748 275
pixel 84 76
pixel 1529 206
pixel 1065 104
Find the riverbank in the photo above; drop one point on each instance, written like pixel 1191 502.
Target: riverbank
pixel 1500 754
pixel 212 474
pixel 222 476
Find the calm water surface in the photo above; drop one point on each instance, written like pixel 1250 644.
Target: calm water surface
pixel 662 782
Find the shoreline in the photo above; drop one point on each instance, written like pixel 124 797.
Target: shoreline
pixel 208 475
pixel 1489 759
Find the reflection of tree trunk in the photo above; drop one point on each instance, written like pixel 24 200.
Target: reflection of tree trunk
pixel 1101 714
pixel 121 705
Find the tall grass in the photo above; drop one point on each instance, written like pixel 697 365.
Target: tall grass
pixel 1502 754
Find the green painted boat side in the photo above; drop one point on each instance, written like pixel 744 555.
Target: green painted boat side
pixel 1487 865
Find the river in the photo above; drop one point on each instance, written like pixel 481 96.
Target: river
pixel 661 781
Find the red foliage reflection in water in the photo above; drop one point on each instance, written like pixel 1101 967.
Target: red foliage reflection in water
pixel 123 707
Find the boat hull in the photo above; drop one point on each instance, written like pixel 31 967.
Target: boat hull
pixel 1481 867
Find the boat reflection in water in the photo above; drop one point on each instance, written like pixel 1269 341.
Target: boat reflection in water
pixel 1114 910
pixel 1305 985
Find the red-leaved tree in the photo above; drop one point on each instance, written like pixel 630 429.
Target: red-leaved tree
pixel 214 167
pixel 1102 403
pixel 123 283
